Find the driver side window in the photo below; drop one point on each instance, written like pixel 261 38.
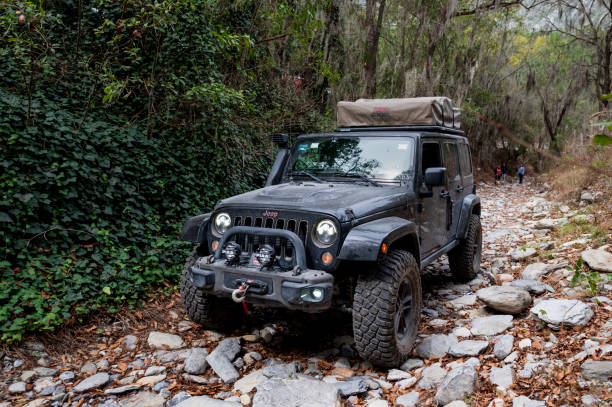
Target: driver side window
pixel 430 156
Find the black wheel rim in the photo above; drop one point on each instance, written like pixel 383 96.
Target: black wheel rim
pixel 477 252
pixel 403 312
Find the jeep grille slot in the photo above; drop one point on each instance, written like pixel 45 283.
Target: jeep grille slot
pixel 283 248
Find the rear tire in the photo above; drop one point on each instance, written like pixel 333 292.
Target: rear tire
pixel 387 310
pixel 206 310
pixel 464 260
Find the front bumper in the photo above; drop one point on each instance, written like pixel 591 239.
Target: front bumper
pixel 287 289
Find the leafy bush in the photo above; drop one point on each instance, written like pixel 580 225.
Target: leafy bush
pixel 115 127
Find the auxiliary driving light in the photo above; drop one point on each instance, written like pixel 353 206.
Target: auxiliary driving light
pixel 265 255
pixel 312 294
pixel 232 252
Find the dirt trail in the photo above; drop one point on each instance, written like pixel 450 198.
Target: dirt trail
pixel 554 351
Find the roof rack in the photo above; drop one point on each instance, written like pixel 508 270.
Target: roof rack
pixel 437 129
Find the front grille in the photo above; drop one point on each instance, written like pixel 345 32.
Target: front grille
pixel 283 247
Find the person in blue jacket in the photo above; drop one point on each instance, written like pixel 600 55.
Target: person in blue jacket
pixel 521 173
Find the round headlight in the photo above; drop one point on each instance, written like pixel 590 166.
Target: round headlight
pixel 325 233
pixel 222 222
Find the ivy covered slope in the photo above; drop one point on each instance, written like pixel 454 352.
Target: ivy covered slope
pixel 117 122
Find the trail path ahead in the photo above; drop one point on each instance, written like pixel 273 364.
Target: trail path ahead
pixel 539 342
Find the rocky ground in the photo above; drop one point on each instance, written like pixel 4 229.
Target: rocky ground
pixel 520 334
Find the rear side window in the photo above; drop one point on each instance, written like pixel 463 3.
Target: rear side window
pixel 465 159
pixel 450 160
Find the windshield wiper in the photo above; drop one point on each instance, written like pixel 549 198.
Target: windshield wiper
pixel 360 176
pixel 306 173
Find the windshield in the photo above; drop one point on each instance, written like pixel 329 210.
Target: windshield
pixel 383 159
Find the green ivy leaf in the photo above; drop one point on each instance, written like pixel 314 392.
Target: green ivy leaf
pixel 106 290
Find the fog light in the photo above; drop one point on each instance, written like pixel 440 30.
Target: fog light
pixel 266 255
pixel 215 245
pixel 312 294
pixel 232 252
pixel 327 258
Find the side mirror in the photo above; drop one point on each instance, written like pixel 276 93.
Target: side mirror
pixel 435 176
pixel 281 140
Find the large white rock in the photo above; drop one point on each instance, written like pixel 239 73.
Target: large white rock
pixel 506 299
pixel 493 325
pixel 598 259
pixel 560 311
pixel 161 339
pixel 296 393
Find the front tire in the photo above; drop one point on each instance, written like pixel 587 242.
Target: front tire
pixel 206 310
pixel 464 260
pixel 387 310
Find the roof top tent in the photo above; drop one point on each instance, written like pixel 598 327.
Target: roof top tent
pixel 436 112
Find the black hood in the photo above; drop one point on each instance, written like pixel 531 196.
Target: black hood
pixel 330 198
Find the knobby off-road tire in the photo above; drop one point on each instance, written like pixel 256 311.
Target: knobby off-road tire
pixel 464 259
pixel 384 329
pixel 206 310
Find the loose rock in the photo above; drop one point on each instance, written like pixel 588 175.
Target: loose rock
pixel 532 286
pixel 296 393
pixel 597 370
pixel 493 325
pixel 506 299
pixel 435 346
pixel 598 259
pixel 502 377
pixel 161 340
pixel 408 399
pixel 352 386
pixel 503 346
pixel 468 348
pixel 196 362
pixel 458 383
pixel 222 366
pixel 560 311
pixel 92 382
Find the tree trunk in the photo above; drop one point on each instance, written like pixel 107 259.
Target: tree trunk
pixel 373 24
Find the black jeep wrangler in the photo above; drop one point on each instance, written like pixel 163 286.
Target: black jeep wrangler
pixel 348 219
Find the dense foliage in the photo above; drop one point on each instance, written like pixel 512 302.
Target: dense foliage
pixel 116 125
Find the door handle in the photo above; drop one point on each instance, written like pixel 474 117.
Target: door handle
pixel 444 194
pixel 459 188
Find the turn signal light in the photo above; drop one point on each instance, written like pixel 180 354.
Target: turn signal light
pixel 384 248
pixel 327 258
pixel 215 245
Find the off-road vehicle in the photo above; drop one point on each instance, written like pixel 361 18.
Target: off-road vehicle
pixel 349 219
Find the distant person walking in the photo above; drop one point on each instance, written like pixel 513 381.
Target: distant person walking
pixel 498 174
pixel 504 171
pixel 521 173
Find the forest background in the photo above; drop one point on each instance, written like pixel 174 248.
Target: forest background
pixel 119 119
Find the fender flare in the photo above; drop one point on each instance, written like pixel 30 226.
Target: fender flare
pixel 467 208
pixel 194 229
pixel 363 242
